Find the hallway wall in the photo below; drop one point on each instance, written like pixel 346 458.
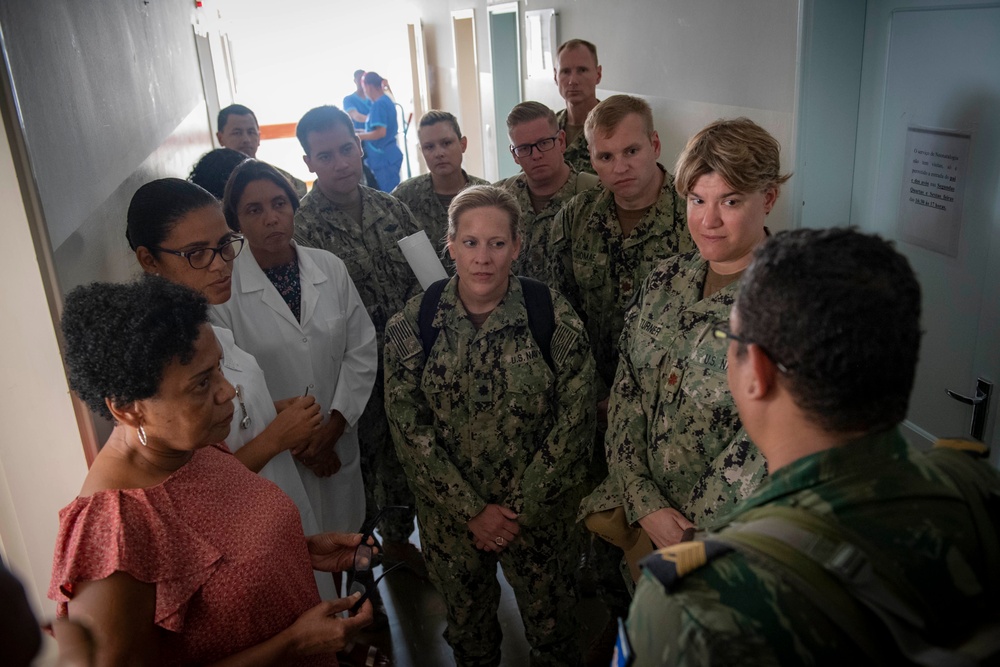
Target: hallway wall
pixel 693 62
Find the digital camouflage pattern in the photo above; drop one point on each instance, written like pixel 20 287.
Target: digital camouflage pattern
pixel 578 152
pixel 536 228
pixel 539 566
pixel 297 185
pixel 674 436
pixel 733 611
pixel 385 281
pixel 432 216
pixel 485 420
pixel 600 270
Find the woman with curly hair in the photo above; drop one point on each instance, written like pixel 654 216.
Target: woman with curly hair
pixel 174 552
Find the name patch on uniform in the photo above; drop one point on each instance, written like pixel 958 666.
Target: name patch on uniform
pixel 403 340
pixel 716 361
pixel 650 327
pixel 522 356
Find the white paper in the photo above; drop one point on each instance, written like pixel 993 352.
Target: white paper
pixel 420 255
pixel 934 175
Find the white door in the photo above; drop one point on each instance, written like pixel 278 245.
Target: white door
pixel 939 67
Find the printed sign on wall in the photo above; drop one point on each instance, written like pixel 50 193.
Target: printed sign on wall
pixel 930 208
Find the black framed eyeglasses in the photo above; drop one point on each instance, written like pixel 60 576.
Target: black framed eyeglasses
pixel 543 146
pixel 721 331
pixel 202 258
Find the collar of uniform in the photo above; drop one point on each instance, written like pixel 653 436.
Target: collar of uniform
pixel 253 278
pixel 511 310
pixel 325 203
pixel 854 458
pixel 227 342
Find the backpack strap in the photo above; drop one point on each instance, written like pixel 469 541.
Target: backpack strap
pixel 816 556
pixel 425 318
pixel 541 317
pixel 537 301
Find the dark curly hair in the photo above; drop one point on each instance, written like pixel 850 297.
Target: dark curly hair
pixel 120 336
pixel 841 310
pixel 246 173
pixel 158 205
pixel 213 169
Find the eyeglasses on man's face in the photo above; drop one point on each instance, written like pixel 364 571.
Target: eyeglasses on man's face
pixel 721 331
pixel 202 258
pixel 542 145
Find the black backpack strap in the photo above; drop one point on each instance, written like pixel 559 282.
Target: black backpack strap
pixel 541 318
pixel 537 301
pixel 428 309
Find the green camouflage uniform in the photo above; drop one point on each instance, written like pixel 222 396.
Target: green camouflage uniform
pixel 674 436
pixel 385 282
pixel 600 270
pixel 536 228
pixel 418 194
pixel 485 420
pixel 733 611
pixel 297 185
pixel 577 153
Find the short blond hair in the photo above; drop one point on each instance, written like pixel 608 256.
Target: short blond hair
pixel 435 116
pixel 609 113
pixel 483 196
pixel 743 153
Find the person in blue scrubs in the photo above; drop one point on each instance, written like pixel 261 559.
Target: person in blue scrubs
pixel 382 153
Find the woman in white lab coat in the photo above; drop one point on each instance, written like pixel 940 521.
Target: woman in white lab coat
pixel 297 311
pixel 178 231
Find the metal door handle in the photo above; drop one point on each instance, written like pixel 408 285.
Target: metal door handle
pixel 980 406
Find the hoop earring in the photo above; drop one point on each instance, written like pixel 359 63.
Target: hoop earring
pixel 142 435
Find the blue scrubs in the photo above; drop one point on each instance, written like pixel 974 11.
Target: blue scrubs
pixel 383 155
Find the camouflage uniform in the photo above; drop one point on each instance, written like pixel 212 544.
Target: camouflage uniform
pixel 600 270
pixel 534 260
pixel 674 436
pixel 297 185
pixel 418 194
pixel 577 153
pixel 385 282
pixel 485 420
pixel 733 611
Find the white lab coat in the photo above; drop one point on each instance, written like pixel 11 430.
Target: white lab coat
pixel 257 406
pixel 332 352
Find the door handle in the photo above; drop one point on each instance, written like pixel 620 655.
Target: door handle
pixel 980 406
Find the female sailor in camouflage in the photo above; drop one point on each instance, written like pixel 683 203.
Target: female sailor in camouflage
pixel 494 429
pixel 677 454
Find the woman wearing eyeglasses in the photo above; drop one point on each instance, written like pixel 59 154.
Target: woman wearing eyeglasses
pixel 298 312
pixel 677 455
pixel 174 553
pixel 178 231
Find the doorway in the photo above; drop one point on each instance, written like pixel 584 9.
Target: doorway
pixel 505 54
pixel 925 67
pixel 470 116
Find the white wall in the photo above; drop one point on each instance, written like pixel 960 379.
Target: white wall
pixel 694 62
pixel 41 456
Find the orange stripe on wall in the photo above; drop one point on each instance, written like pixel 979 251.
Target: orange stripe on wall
pixel 277 131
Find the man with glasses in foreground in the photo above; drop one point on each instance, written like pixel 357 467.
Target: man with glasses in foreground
pixel 546 182
pixel 858 549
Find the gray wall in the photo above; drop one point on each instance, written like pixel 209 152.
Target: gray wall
pixel 693 62
pixel 110 96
